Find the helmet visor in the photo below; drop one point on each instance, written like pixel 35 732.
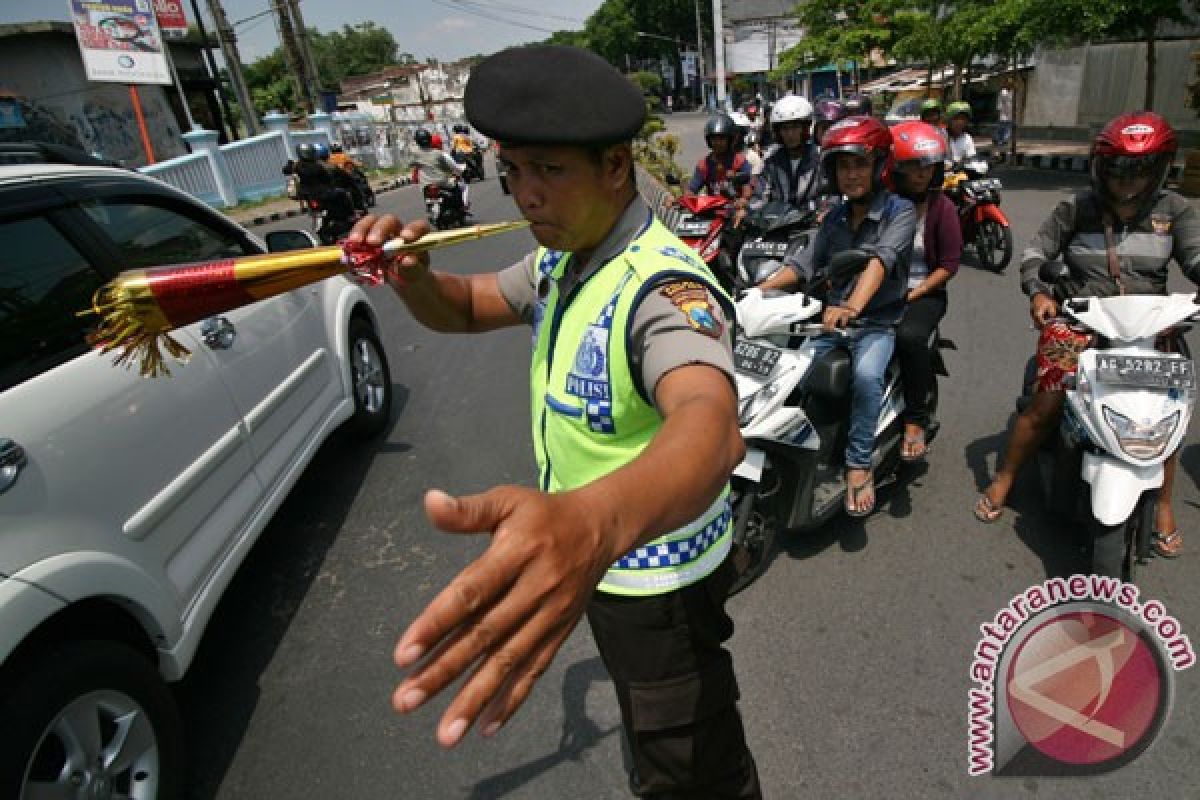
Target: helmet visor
pixel 1130 166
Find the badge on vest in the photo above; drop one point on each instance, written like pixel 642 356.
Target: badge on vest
pixel 693 301
pixel 588 377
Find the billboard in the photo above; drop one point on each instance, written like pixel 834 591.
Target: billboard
pixel 120 41
pixel 172 20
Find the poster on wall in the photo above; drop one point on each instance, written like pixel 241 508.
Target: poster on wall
pixel 120 41
pixel 172 20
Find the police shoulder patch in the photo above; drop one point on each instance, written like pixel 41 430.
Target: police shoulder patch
pixel 693 300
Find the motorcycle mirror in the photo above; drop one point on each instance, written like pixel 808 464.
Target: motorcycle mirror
pixel 1053 271
pixel 847 264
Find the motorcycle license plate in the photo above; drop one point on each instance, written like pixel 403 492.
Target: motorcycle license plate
pixel 753 358
pixel 1151 372
pixel 762 249
pixel 691 226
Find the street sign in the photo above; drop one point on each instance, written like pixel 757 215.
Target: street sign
pixel 120 41
pixel 172 20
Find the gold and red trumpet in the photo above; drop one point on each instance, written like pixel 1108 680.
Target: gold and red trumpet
pixel 139 308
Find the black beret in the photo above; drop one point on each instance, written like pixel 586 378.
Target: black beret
pixel 553 95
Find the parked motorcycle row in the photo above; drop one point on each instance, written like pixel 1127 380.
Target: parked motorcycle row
pixel 1102 468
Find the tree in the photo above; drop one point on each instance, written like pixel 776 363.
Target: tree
pixel 1120 18
pixel 839 32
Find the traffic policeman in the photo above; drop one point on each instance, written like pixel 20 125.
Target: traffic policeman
pixel 635 431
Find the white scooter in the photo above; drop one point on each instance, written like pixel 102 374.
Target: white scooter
pixel 1126 413
pixel 794 412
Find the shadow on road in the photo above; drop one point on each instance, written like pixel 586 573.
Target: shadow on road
pixel 579 734
pixel 218 696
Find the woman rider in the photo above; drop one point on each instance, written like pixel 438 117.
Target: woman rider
pixel 919 151
pixel 1130 159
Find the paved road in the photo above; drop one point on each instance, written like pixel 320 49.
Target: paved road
pixel 853 650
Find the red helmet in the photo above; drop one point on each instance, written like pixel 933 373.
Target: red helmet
pixel 864 136
pixel 917 144
pixel 1141 143
pixel 436 141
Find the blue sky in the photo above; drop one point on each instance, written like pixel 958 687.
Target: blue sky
pixel 444 29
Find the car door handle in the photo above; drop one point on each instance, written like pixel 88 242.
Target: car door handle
pixel 218 333
pixel 12 459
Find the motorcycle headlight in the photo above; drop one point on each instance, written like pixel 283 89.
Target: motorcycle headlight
pixel 1142 442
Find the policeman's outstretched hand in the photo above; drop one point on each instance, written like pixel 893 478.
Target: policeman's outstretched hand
pixel 1042 309
pixel 504 617
pixel 377 230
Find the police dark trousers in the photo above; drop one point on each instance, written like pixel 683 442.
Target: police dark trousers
pixel 912 350
pixel 676 689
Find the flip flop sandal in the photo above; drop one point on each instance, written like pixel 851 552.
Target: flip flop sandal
pixel 906 454
pixel 852 495
pixel 986 511
pixel 1167 545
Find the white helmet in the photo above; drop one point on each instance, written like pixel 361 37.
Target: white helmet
pixel 791 108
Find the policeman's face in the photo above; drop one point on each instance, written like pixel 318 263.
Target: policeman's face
pixel 853 175
pixel 570 198
pixel 794 135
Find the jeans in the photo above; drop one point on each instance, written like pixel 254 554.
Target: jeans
pixel 870 351
pixel 912 351
pixel 1002 132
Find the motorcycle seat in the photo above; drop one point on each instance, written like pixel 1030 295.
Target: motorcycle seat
pixel 831 375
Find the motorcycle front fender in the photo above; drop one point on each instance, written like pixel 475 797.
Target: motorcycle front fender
pixel 1117 486
pixel 992 212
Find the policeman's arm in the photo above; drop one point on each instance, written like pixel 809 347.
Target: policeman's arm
pixel 438 300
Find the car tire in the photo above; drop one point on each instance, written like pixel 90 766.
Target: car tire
pixel 55 697
pixel 371 380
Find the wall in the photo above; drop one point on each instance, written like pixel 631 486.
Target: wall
pixel 45 73
pixel 1087 86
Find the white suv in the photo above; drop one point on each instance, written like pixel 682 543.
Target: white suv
pixel 127 503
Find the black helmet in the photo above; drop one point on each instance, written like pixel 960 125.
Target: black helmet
pixel 720 125
pixel 306 152
pixel 857 105
pixel 335 148
pixel 423 138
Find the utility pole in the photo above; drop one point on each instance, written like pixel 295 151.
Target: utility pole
pixel 700 55
pixel 233 62
pixel 213 72
pixel 719 49
pixel 310 63
pixel 291 53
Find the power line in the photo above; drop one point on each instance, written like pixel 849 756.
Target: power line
pixel 508 7
pixel 492 17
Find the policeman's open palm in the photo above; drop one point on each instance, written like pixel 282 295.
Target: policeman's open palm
pixel 504 617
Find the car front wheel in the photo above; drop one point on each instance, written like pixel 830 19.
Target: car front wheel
pixel 90 719
pixel 372 382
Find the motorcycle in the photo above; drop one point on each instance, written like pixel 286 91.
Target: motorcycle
pixel 794 414
pixel 1126 412
pixel 364 186
pixel 700 227
pixel 984 225
pixel 444 206
pixel 770 232
pixel 330 222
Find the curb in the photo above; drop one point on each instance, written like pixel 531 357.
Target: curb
pixel 276 216
pixel 1064 163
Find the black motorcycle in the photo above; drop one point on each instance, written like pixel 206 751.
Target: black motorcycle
pixel 332 215
pixel 444 206
pixel 767 234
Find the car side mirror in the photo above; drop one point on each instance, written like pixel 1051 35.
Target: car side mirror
pixel 1052 272
pixel 285 241
pixel 847 264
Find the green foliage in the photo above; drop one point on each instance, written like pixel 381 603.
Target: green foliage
pixel 656 153
pixel 648 82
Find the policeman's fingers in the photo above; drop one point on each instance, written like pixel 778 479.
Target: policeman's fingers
pixel 479 513
pixel 506 674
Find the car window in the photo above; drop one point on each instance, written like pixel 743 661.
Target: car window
pixel 149 235
pixel 44 281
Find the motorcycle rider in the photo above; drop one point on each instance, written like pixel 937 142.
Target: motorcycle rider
pixel 856 158
pixel 791 172
pixel 434 165
pixel 858 105
pixel 961 146
pixel 725 170
pixel 931 112
pixel 341 160
pixel 827 111
pixel 318 182
pixel 920 153
pixel 1129 163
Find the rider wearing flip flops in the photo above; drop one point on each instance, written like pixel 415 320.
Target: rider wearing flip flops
pixel 920 153
pixel 856 157
pixel 1130 159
